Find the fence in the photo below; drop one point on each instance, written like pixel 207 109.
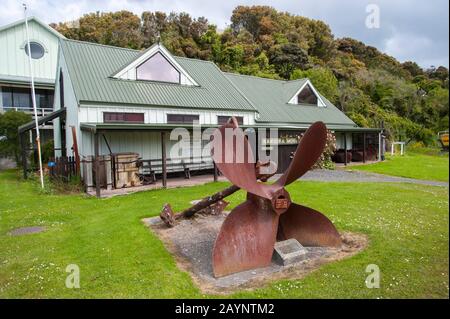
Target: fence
pixel 63 167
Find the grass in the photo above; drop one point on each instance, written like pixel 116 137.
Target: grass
pixel 412 165
pixel 118 257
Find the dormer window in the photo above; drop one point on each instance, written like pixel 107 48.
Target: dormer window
pixel 155 64
pixel 157 68
pixel 307 96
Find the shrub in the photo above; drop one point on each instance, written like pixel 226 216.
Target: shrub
pixel 325 160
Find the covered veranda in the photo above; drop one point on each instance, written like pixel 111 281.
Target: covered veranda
pixel 359 145
pixel 98 133
pixel 364 142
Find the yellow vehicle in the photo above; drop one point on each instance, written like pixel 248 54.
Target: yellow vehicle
pixel 443 138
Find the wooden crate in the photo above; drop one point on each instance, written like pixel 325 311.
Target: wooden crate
pixel 126 170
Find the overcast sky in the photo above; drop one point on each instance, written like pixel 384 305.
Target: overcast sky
pixel 414 30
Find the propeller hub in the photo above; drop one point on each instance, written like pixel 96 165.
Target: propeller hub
pixel 280 201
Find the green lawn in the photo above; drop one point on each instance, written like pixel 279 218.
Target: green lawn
pixel 118 257
pixel 412 165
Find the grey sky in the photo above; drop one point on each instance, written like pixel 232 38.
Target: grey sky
pixel 414 30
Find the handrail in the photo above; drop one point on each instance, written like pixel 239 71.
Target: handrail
pixel 42 111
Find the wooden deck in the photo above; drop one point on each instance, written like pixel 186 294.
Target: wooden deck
pixel 171 183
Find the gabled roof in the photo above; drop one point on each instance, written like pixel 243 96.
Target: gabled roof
pixel 147 54
pixel 271 97
pixel 91 65
pixel 38 21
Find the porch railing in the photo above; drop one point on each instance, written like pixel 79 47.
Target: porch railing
pixel 41 111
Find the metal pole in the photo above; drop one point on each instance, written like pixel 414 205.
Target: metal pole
pixel 33 98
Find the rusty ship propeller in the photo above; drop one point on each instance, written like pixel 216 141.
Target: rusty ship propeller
pixel 247 237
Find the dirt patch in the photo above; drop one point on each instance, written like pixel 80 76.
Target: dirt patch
pixel 191 242
pixel 26 230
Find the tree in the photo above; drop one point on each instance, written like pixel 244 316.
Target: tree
pixel 121 28
pixel 288 57
pixel 254 19
pixel 413 68
pixel 153 24
pixel 9 124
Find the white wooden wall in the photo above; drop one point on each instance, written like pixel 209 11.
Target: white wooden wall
pixel 146 143
pixel 154 115
pixel 14 60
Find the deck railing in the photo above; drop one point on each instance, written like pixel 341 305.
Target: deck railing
pixel 41 111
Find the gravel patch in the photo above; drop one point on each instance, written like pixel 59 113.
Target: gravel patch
pixel 323 175
pixel 191 242
pixel 26 230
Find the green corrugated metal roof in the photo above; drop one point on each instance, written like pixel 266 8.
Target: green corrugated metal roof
pixel 91 66
pixel 270 97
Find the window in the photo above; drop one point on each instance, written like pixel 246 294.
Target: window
pixel 37 50
pixel 44 98
pixel 7 98
pixel 307 96
pixel 20 98
pixel 157 68
pixel 222 119
pixel 119 117
pixel 181 118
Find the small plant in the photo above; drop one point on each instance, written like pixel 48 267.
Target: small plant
pixel 54 186
pixel 325 161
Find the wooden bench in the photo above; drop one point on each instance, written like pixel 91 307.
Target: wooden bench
pixel 149 168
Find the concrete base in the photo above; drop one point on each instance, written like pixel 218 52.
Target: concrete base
pixel 289 252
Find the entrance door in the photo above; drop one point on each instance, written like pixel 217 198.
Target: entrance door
pixel 284 157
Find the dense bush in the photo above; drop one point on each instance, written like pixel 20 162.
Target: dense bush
pixel 330 147
pixel 368 85
pixel 9 124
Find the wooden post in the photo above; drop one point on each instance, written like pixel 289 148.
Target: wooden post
pixel 97 165
pixel 24 155
pixel 216 175
pixel 364 147
pixel 345 148
pixel 379 146
pixel 164 159
pixel 63 138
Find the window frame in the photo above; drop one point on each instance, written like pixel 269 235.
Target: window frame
pixel 161 81
pixel 125 118
pixel 183 121
pixel 27 50
pixel 240 119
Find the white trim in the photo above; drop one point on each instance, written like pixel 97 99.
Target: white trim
pixel 320 102
pixel 38 21
pixel 127 75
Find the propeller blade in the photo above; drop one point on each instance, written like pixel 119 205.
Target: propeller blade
pixel 308 152
pixel 234 158
pixel 308 226
pixel 246 239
